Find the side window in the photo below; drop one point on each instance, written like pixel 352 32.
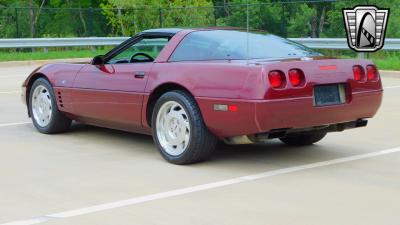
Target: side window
pixel 208 45
pixel 192 48
pixel 146 50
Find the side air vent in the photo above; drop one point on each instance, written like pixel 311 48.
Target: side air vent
pixel 60 102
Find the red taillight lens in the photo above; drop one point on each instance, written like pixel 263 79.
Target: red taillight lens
pixel 277 79
pixel 296 77
pixel 233 108
pixel 372 73
pixel 358 72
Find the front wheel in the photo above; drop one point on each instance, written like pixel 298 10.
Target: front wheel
pixel 306 138
pixel 43 109
pixel 179 131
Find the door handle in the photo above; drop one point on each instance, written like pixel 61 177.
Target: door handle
pixel 139 74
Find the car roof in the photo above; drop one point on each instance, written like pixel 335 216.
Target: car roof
pixel 173 31
pixel 165 31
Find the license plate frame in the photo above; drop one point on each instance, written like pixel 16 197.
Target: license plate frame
pixel 329 94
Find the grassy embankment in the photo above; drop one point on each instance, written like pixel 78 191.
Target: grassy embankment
pixel 385 60
pixel 40 55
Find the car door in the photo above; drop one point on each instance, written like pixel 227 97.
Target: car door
pixel 111 94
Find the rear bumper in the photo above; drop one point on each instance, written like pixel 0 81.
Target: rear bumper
pixel 260 116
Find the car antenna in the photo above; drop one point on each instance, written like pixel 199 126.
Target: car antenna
pixel 247 33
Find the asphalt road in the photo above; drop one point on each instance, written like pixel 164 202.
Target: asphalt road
pixel 99 176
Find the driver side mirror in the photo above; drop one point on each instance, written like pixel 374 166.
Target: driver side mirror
pixel 98 60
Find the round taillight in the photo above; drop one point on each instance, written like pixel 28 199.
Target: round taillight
pixel 372 73
pixel 358 73
pixel 296 77
pixel 277 79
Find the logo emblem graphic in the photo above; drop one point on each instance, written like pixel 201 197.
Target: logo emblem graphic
pixel 365 27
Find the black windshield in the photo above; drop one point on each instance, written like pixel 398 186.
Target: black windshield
pixel 228 44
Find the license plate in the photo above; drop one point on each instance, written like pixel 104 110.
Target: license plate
pixel 325 95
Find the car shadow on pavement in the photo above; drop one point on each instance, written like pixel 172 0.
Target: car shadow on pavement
pixel 78 128
pixel 269 152
pixel 273 151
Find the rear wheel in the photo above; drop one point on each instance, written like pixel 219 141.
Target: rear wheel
pixel 43 109
pixel 179 131
pixel 306 138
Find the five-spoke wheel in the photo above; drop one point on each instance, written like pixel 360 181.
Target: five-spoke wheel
pixel 41 105
pixel 179 130
pixel 43 109
pixel 173 128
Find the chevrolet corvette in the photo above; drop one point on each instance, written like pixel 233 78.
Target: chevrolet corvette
pixel 189 88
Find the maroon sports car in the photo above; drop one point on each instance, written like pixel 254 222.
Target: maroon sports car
pixel 191 87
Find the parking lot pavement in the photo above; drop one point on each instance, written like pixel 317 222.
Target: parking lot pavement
pixel 100 176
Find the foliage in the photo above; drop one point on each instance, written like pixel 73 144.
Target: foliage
pixel 128 17
pixel 261 16
pixel 300 23
pixel 80 18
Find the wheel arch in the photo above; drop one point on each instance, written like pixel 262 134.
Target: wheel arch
pixel 157 93
pixel 28 84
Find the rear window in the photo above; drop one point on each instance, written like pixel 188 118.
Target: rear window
pixel 224 45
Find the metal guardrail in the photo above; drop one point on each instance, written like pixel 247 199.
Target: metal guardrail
pixel 319 43
pixel 341 43
pixel 60 42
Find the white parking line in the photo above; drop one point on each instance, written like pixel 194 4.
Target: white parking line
pixel 391 87
pixel 9 92
pixel 13 124
pixel 16 75
pixel 193 189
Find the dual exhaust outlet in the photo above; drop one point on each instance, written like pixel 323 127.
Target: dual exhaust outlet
pixel 279 133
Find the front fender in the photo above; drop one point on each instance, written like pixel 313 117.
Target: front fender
pixel 35 74
pixel 59 75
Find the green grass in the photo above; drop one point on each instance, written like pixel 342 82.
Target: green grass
pixel 385 60
pixel 54 54
pixel 40 55
pixel 388 64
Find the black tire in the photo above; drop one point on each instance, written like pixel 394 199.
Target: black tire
pixel 201 142
pixel 306 138
pixel 58 121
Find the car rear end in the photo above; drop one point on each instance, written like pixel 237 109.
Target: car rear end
pixel 331 94
pixel 303 95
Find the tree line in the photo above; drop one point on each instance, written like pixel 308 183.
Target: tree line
pixel 83 18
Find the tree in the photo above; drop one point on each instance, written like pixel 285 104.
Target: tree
pixel 34 14
pixel 128 17
pixel 76 18
pixel 263 15
pixel 188 13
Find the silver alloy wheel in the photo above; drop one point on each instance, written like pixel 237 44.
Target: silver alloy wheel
pixel 173 128
pixel 42 107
